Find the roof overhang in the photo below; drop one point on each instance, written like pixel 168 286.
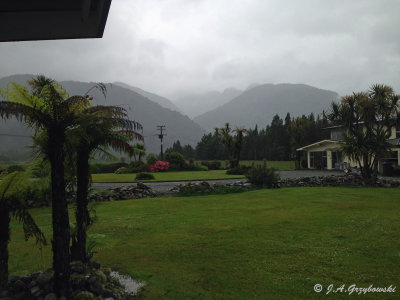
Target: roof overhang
pixel 320 143
pixel 394 142
pixel 25 20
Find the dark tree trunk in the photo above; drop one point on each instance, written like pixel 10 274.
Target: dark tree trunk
pixel 60 220
pixel 4 239
pixel 82 213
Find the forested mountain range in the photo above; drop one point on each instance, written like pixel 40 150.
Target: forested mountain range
pixel 259 104
pixel 139 108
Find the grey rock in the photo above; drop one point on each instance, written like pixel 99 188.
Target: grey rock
pixel 96 288
pixel 84 295
pixel 94 264
pixel 13 278
pixel 45 277
pixel 19 285
pixel 77 267
pixel 100 275
pixel 35 291
pixel 50 296
pixel 109 294
pixel 107 271
pixel 32 284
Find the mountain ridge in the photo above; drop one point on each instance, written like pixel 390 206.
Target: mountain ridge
pixel 139 108
pixel 259 104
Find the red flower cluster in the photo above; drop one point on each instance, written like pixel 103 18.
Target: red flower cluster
pixel 159 166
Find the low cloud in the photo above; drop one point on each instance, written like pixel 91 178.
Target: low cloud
pixel 168 47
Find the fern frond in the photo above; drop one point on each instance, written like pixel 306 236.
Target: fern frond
pixel 23 112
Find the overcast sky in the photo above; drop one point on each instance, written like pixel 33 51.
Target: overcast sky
pixel 170 46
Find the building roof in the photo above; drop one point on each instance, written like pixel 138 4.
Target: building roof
pixel 320 143
pixel 24 20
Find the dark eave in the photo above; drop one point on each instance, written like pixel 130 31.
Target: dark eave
pixel 26 20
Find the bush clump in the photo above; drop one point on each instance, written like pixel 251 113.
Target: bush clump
pixel 176 160
pixel 106 167
pixel 159 166
pixel 151 159
pixel 144 176
pixel 261 176
pixel 212 165
pixel 239 170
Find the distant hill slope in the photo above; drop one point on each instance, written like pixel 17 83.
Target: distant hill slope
pixel 141 109
pixel 258 105
pixel 153 97
pixel 197 104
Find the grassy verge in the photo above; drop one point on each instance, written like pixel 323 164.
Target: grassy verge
pixel 166 176
pixel 255 245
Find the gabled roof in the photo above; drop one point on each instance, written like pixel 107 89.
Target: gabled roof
pixel 320 143
pixel 24 20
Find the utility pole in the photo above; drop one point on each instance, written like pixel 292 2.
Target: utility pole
pixel 160 136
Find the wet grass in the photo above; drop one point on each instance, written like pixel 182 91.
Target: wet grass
pixel 166 176
pixel 255 245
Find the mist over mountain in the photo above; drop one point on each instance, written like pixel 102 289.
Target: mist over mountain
pixel 153 97
pixel 196 104
pixel 139 108
pixel 259 104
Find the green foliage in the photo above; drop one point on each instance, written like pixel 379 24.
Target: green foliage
pixel 15 191
pixel 212 165
pixel 367 119
pixel 276 141
pixel 134 167
pixel 144 176
pixel 176 160
pixel 139 151
pixel 138 166
pixel 239 170
pixel 15 168
pixel 98 168
pixel 151 159
pixel 40 168
pixel 262 176
pixel 187 151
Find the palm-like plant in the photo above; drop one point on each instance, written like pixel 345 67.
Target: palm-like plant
pixel 139 151
pixel 233 144
pixel 100 126
pixel 12 203
pixel 49 109
pixel 368 119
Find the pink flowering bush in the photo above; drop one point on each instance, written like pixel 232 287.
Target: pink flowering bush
pixel 159 166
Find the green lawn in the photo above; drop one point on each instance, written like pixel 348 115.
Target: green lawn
pixel 266 244
pixel 166 176
pixel 191 175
